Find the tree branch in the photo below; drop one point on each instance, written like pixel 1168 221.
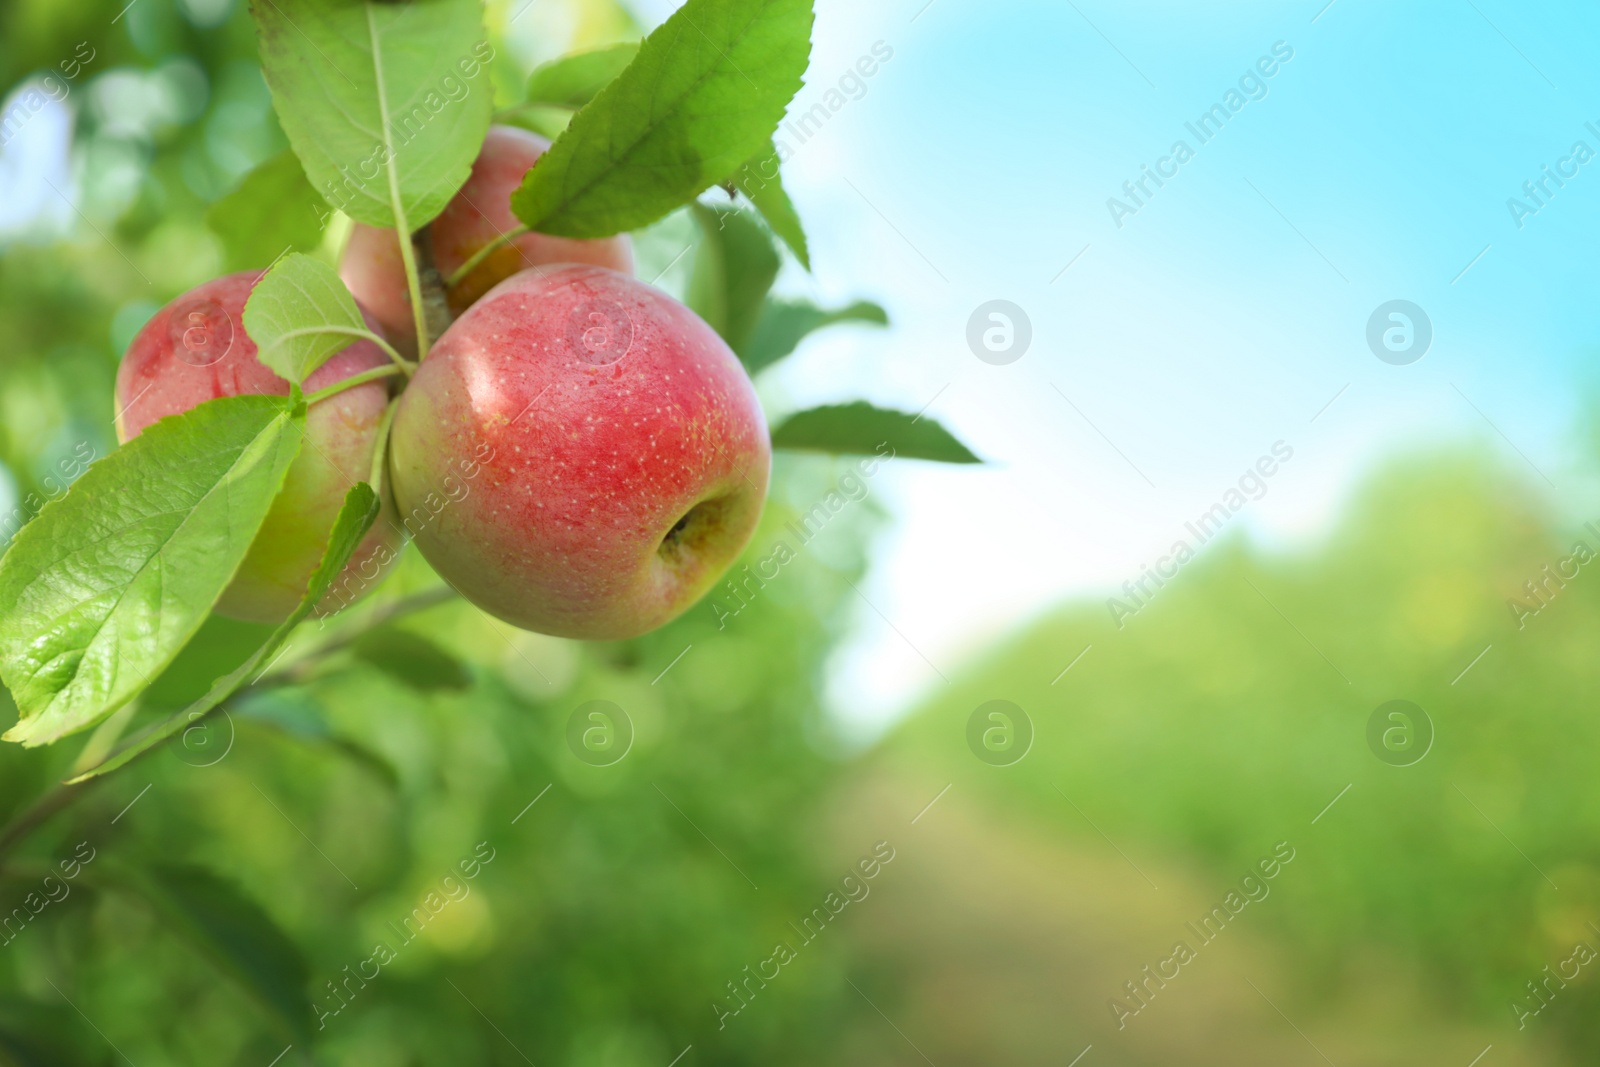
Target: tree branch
pixel 56 800
pixel 300 668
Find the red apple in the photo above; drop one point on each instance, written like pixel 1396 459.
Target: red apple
pixel 195 349
pixel 580 454
pixel 479 213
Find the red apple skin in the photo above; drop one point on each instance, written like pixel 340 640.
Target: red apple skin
pixel 162 375
pixel 564 486
pixel 480 212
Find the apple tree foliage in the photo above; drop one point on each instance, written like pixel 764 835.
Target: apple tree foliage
pixel 112 584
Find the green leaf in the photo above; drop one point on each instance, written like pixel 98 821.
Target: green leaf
pixel 299 315
pixel 863 430
pixel 386 104
pixel 705 94
pixel 560 87
pixel 784 324
pixel 99 593
pixel 233 932
pixel 734 267
pixel 762 185
pixel 355 519
pixel 274 209
pixel 412 659
pixel 572 81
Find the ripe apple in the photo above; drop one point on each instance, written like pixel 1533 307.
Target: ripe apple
pixel 580 454
pixel 195 349
pixel 479 213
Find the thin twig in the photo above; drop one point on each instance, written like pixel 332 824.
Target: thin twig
pixel 404 606
pixel 435 294
pixel 484 253
pixel 56 800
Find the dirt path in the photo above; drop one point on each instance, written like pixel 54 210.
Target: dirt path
pixel 991 943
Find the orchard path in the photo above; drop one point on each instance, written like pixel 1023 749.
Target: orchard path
pixel 990 943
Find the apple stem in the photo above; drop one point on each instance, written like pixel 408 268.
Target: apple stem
pixel 380 452
pixel 354 380
pixel 484 253
pixel 404 365
pixel 401 362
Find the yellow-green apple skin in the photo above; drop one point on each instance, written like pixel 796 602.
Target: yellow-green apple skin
pixel 196 349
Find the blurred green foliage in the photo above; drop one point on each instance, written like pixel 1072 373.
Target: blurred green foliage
pixel 607 920
pixel 1233 709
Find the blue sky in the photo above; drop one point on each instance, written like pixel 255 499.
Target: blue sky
pixel 1220 318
